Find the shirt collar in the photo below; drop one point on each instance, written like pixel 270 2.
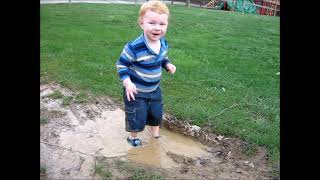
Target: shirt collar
pixel 162 43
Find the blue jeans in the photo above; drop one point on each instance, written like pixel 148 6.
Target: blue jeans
pixel 146 109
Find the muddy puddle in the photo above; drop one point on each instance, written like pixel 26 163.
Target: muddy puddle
pixel 157 152
pixel 74 135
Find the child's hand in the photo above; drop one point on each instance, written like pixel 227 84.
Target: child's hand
pixel 171 68
pixel 130 89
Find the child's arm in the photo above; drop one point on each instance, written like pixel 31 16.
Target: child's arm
pixel 130 89
pixel 168 66
pixel 171 68
pixel 123 64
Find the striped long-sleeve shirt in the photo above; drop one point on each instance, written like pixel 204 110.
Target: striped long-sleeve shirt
pixel 141 64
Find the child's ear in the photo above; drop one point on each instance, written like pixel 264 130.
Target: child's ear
pixel 140 23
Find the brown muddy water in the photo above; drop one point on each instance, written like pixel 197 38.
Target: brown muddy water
pixel 155 151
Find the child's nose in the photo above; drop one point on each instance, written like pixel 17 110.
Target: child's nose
pixel 157 27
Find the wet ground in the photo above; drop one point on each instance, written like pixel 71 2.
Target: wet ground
pixel 86 139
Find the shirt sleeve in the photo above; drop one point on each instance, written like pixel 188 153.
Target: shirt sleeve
pixel 124 62
pixel 165 61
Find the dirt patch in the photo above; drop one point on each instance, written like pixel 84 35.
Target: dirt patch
pixel 88 141
pixel 231 150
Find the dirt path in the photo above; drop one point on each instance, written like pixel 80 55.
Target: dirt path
pixel 87 141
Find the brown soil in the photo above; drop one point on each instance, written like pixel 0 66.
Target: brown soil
pixel 87 141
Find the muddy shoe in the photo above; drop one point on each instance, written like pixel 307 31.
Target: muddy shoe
pixel 134 142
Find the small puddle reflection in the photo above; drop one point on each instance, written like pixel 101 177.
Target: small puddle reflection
pixel 154 151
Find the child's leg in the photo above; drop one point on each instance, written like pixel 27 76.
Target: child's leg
pixel 135 119
pixel 155 112
pixel 133 135
pixel 155 131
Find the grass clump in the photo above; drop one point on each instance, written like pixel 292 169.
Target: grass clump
pixel 44 120
pixel 67 100
pixel 56 95
pixel 104 174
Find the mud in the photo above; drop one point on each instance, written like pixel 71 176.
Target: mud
pixel 79 139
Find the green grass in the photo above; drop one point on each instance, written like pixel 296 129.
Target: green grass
pixel 56 95
pixel 102 172
pixel 141 174
pixel 227 63
pixel 43 169
pixel 67 100
pixel 137 172
pixel 104 168
pixel 44 120
pixel 43 172
pixel 81 98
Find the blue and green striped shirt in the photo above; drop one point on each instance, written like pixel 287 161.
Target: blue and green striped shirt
pixel 141 64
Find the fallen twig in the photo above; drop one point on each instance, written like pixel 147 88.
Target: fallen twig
pixel 67 149
pixel 224 110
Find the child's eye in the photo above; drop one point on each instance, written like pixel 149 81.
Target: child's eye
pixel 163 24
pixel 151 22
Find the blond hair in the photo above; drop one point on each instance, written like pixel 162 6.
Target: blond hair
pixel 155 6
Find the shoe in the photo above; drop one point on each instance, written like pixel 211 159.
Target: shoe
pixel 134 142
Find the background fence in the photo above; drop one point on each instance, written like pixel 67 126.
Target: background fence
pixel 263 7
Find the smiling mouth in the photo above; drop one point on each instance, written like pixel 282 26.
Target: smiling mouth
pixel 155 34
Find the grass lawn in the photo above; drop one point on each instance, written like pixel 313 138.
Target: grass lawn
pixel 228 63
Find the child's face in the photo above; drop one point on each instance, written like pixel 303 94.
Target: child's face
pixel 154 25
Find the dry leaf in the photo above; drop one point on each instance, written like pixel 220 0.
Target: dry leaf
pixel 251 165
pixel 229 154
pixel 220 137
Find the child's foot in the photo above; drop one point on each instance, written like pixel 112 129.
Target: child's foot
pixel 134 142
